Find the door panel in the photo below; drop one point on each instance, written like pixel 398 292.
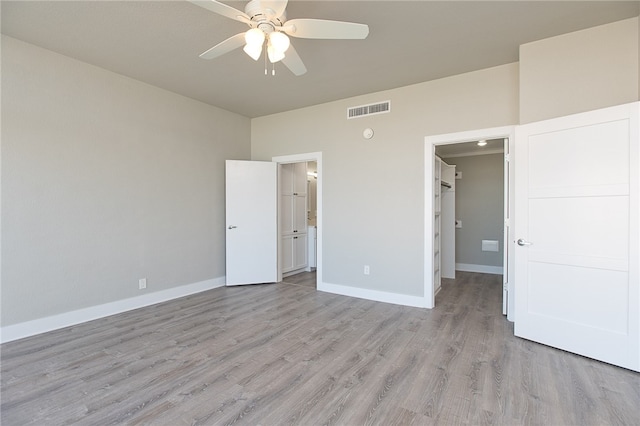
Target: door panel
pixel 565 234
pixel 300 248
pixel 300 213
pixel 300 178
pixel 287 253
pixel 591 156
pixel 251 222
pixel 605 309
pixel 287 224
pixel 577 211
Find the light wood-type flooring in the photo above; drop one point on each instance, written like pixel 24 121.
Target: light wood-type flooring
pixel 286 354
pixel 307 279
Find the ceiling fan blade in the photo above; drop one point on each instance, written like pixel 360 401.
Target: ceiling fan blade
pixel 223 9
pixel 293 62
pixel 319 28
pixel 278 6
pixel 224 47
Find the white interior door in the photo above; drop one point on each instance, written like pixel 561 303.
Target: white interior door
pixel 506 229
pixel 251 222
pixel 576 261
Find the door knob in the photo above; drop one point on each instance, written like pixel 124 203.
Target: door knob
pixel 232 227
pixel 522 242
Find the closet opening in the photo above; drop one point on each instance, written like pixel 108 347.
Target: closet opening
pixel 469 204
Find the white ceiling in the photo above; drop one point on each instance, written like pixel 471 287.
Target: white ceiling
pixel 158 42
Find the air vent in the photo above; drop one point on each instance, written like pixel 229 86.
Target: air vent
pixel 360 111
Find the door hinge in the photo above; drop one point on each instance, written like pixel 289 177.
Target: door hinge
pixel 507 157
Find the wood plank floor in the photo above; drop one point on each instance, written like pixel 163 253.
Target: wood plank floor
pixel 307 279
pixel 285 354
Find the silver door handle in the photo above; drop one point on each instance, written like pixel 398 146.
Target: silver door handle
pixel 522 242
pixel 232 227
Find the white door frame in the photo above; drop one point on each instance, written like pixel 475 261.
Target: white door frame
pixel 429 158
pixel 298 158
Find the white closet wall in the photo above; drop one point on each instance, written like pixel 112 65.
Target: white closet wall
pixel 443 222
pixel 448 216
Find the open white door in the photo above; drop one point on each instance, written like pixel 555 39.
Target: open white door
pixel 251 222
pixel 576 261
pixel 506 229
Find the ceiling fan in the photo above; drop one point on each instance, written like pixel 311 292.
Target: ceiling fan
pixel 268 25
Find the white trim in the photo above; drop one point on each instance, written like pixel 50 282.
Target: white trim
pixel 298 158
pixel 375 295
pixel 429 156
pixel 482 269
pixel 55 322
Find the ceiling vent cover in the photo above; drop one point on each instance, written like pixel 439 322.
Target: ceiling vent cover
pixel 371 109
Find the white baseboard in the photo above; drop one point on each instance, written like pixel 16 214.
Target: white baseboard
pixel 483 269
pixel 378 296
pixel 55 322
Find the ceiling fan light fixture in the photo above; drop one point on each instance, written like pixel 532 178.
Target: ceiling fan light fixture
pixel 274 54
pixel 279 41
pixel 254 37
pixel 254 51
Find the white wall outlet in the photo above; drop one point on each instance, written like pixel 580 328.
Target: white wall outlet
pixel 142 283
pixel 366 269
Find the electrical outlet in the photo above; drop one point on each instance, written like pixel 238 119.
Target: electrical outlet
pixel 366 269
pixel 142 283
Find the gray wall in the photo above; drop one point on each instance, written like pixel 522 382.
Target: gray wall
pixel 374 190
pixel 373 193
pixel 105 180
pixel 480 206
pixel 580 71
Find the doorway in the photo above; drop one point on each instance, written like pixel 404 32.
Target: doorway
pixel 313 216
pixel 448 145
pixel 471 210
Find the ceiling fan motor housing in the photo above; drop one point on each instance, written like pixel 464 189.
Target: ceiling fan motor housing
pixel 266 27
pixel 265 18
